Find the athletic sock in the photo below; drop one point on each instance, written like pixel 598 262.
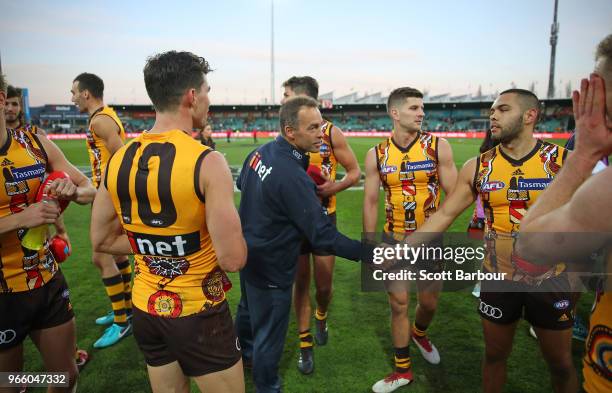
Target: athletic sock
pixel 114 290
pixel 306 339
pixel 125 268
pixel 321 316
pixel 418 330
pixel 402 360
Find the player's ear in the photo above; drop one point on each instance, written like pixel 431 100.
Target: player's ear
pixel 190 97
pixel 2 99
pixel 394 113
pixel 530 116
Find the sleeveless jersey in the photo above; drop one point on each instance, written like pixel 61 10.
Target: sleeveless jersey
pixel 98 153
pixel 597 360
pixel 23 163
pixel 410 179
pixel 28 128
pixel 153 183
pixel 326 159
pixel 507 188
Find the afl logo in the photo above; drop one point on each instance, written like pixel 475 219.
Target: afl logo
pixel 561 304
pixel 493 186
pixel 385 170
pixel 324 150
pixel 165 304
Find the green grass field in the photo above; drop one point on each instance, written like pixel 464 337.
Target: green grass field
pixel 359 351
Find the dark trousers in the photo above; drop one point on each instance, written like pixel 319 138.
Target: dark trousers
pixel 262 320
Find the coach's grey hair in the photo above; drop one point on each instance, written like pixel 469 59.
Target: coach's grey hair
pixel 288 113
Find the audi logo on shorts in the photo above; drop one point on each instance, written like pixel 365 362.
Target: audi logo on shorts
pixel 6 336
pixel 490 311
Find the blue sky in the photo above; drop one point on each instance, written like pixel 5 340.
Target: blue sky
pixel 364 46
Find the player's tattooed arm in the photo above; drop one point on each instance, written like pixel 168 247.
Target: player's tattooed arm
pixel 106 232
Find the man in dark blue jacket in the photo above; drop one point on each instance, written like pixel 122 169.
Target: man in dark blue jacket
pixel 278 209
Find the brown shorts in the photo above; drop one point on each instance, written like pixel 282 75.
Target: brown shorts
pixel 41 308
pixel 306 247
pixel 505 302
pixel 201 343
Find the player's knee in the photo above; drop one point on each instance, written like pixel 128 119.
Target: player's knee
pixel 428 304
pixel 561 368
pixel 324 291
pixel 496 355
pixel 97 262
pixel 302 285
pixel 399 306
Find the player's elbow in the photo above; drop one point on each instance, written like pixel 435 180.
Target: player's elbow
pixel 353 176
pixel 85 193
pixel 99 243
pixel 530 247
pixel 234 258
pixel 370 205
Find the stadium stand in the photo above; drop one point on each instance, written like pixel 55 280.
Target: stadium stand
pixel 351 116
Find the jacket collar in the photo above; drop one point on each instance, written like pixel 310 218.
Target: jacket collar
pixel 297 154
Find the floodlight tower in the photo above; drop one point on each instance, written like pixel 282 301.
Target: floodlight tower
pixel 554 32
pixel 272 83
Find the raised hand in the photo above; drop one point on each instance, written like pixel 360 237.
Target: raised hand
pixel 593 137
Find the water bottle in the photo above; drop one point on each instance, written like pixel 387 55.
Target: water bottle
pixel 34 238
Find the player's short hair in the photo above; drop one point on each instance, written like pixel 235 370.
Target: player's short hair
pixel 527 99
pixel 168 75
pixel 92 83
pixel 12 92
pixel 303 85
pixel 604 51
pixel 288 113
pixel 399 95
pixel 604 48
pixel 3 84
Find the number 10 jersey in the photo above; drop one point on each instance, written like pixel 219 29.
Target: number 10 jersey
pixel 153 182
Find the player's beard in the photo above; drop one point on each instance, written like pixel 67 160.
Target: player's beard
pixel 510 132
pixel 11 118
